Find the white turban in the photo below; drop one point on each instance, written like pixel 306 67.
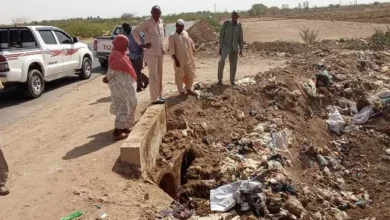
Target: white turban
pixel 180 21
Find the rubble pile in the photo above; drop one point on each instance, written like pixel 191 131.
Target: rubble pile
pixel 308 141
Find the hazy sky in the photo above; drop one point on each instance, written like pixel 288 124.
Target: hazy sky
pixel 58 9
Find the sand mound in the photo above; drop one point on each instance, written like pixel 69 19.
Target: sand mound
pixel 202 32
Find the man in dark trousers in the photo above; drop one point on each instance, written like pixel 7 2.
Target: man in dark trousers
pixel 231 41
pixel 136 54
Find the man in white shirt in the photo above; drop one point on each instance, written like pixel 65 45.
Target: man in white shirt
pixel 153 29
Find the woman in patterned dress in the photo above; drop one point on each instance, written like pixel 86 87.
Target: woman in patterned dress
pixel 122 81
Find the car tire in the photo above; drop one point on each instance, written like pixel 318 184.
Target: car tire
pixel 86 69
pixel 35 84
pixel 104 64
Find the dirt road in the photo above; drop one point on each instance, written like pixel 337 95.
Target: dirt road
pixel 62 159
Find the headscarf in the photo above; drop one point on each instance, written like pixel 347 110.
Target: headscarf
pixel 118 59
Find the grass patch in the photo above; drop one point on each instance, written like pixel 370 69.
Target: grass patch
pixel 308 35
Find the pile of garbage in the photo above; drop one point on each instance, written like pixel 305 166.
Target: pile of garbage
pixel 264 153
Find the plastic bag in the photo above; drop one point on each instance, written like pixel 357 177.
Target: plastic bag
pixel 385 94
pixel 246 81
pixel 224 198
pixel 335 122
pixel 363 116
pixel 281 139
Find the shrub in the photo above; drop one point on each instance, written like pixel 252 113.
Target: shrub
pixel 215 23
pixel 381 37
pixel 309 36
pixel 356 44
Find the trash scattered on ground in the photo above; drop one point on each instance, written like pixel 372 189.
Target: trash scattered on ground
pixel 176 211
pixel 335 122
pixel 73 216
pixel 323 78
pixel 246 81
pixel 225 197
pixel 272 138
pixel 102 216
pixel 310 88
pixel 363 116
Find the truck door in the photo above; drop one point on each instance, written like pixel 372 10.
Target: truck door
pixel 52 53
pixel 71 58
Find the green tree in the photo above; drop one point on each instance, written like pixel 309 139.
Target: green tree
pixel 128 16
pixel 274 10
pixel 258 9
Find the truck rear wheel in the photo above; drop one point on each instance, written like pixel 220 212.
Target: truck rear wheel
pixel 104 64
pixel 86 69
pixel 35 84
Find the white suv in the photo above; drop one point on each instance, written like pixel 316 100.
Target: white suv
pixel 34 55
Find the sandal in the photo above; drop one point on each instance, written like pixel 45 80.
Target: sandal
pixel 119 134
pixel 127 130
pixel 190 92
pixel 4 191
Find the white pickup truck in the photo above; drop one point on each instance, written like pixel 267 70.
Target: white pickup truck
pixel 103 46
pixel 33 55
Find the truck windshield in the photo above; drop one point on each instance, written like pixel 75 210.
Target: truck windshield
pixel 118 30
pixel 12 38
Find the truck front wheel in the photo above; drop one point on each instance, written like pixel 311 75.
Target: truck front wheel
pixel 86 69
pixel 35 84
pixel 104 64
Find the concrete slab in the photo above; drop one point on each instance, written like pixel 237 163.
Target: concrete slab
pixel 143 144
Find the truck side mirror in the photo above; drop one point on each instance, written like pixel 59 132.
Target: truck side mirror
pixel 75 40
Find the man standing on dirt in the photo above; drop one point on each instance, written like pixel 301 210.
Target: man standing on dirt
pixel 136 54
pixel 153 29
pixel 231 41
pixel 182 49
pixel 3 174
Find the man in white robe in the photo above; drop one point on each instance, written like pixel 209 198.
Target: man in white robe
pixel 182 49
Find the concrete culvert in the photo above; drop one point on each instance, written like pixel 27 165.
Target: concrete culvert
pixel 188 158
pixel 167 183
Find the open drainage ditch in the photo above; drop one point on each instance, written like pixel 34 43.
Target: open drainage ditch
pixel 167 183
pixel 173 179
pixel 188 158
